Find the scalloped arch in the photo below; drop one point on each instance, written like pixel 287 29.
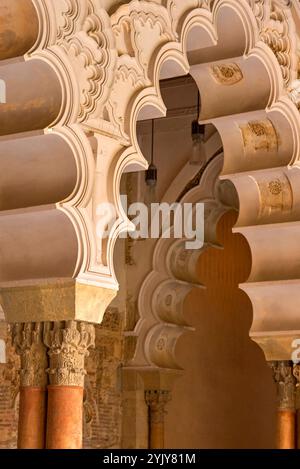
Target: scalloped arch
pixel 248 93
pixel 256 128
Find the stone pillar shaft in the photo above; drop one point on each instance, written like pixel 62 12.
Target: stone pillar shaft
pixel 64 420
pixel 68 344
pixel 32 418
pixel 296 372
pixel 286 429
pixel 27 339
pixel 286 403
pixel 156 401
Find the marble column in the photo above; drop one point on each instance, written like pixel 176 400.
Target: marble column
pixel 28 341
pixel 156 401
pixel 68 344
pixel 286 405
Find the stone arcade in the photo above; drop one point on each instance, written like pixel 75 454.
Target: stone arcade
pixel 121 343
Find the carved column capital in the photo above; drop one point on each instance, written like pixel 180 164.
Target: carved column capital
pixel 296 372
pixel 156 400
pixel 283 375
pixel 28 342
pixel 68 344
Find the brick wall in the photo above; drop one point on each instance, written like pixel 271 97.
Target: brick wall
pixel 102 408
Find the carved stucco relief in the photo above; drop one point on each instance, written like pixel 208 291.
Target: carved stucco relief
pixel 259 135
pixel 68 347
pixel 227 74
pixel 275 195
pixel 285 384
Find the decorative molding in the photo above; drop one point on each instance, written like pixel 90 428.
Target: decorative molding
pixel 174 275
pixel 276 34
pixel 277 30
pixel 67 13
pixel 139 27
pixel 68 347
pixel 93 57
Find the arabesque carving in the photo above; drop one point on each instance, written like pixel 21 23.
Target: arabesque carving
pixel 68 347
pixel 28 342
pixel 276 195
pixel 227 74
pixel 285 383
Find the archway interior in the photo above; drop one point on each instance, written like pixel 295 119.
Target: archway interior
pixel 226 386
pixel 220 360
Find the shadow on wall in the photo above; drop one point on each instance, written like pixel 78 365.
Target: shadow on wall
pixel 226 398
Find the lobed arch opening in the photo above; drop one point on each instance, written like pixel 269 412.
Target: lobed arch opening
pixel 243 99
pixel 236 80
pixel 237 83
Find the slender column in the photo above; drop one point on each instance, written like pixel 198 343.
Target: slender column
pixel 68 344
pixel 286 393
pixel 27 339
pixel 156 401
pixel 297 376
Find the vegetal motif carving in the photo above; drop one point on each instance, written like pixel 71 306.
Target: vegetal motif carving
pixel 276 195
pixel 285 383
pixel 227 74
pixel 259 135
pixel 68 346
pixel 28 342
